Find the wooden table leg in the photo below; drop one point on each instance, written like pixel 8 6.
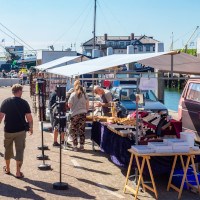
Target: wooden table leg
pixel 172 172
pixel 184 176
pixel 128 172
pixel 140 174
pixel 139 169
pixel 151 175
pixel 183 166
pixel 195 172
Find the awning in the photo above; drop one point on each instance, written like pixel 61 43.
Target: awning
pixel 101 63
pixel 182 63
pixel 56 63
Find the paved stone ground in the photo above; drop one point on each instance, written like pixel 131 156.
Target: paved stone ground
pixel 89 174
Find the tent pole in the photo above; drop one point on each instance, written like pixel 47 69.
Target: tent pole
pixel 93 106
pixel 137 118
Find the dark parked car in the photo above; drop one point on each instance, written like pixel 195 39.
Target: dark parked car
pixel 126 96
pixel 6 67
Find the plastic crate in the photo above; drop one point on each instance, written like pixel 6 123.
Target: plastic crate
pixel 178 176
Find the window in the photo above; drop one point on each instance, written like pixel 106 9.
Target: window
pixel 147 47
pixel 128 43
pixel 149 95
pixel 110 44
pixel 140 48
pixel 115 93
pixel 193 92
pixel 124 95
pixel 121 44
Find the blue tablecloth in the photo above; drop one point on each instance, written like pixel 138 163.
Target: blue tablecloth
pixel 117 147
pixel 112 144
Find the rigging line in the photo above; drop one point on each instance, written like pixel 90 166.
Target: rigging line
pixel 114 17
pixel 73 23
pixel 11 37
pixel 16 36
pixel 195 37
pixel 84 21
pixel 182 36
pixel 104 16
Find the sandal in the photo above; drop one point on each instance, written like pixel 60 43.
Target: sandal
pixel 20 176
pixel 5 170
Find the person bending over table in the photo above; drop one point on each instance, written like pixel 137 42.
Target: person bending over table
pixel 106 98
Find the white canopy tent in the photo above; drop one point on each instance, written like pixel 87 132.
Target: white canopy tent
pixel 101 63
pixel 56 63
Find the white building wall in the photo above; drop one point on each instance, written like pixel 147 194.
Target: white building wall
pixel 159 47
pixel 198 47
pixel 47 56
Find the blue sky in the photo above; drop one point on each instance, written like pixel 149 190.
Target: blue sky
pixel 41 23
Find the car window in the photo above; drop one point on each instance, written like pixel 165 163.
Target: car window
pixel 124 95
pixel 193 92
pixel 149 95
pixel 115 93
pixel 112 90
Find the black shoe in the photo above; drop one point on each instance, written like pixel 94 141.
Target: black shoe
pixel 56 144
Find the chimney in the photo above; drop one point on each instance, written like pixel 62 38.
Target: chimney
pixel 105 36
pixel 132 36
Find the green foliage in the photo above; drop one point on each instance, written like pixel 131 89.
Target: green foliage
pixel 192 52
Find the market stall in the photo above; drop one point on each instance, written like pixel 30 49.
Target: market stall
pixel 114 137
pixel 115 140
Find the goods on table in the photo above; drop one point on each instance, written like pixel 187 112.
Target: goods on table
pixel 124 121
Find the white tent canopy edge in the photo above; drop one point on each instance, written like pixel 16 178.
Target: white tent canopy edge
pixel 55 63
pixel 101 63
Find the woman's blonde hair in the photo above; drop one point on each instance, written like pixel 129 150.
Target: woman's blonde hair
pixel 79 91
pixel 76 83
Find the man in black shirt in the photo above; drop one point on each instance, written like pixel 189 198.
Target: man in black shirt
pixel 15 111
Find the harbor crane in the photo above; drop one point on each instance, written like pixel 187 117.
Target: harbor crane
pixel 186 45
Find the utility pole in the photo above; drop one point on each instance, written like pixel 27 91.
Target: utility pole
pixel 94 31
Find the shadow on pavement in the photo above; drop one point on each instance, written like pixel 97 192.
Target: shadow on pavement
pixel 48 188
pixel 96 161
pixel 16 193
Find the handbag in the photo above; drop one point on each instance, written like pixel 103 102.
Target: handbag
pixel 26 124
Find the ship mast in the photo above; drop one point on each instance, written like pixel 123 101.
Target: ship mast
pixel 172 43
pixel 94 31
